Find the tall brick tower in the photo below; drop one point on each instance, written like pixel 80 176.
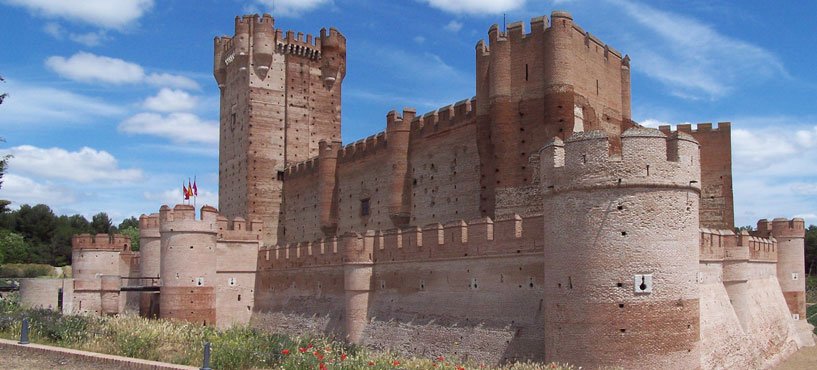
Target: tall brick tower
pixel 553 81
pixel 280 96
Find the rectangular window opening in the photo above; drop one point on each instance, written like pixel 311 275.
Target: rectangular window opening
pixel 364 207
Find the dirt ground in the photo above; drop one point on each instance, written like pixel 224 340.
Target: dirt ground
pixel 805 358
pixel 15 359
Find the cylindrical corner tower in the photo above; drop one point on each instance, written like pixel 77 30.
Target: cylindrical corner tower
pixel 621 253
pixel 791 267
pixel 188 267
pixel 397 134
pixel 357 282
pixel 327 178
pixel 150 249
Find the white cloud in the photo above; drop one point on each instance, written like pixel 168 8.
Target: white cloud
pixel 292 7
pixel 174 196
pixel 111 14
pixel 453 26
pixel 803 188
pixel 178 127
pixel 91 68
pixel 87 67
pixel 773 171
pixel 693 58
pixel 28 103
pixel 166 79
pixel 419 39
pixel 475 6
pixel 23 190
pixel 54 30
pixel 168 100
pixel 89 39
pixel 85 165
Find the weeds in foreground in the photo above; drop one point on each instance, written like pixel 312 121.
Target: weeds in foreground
pixel 235 348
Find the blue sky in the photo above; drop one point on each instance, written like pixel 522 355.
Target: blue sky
pixel 112 103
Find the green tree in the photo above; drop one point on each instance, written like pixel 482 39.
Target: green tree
pixel 129 222
pixel 37 224
pixel 3 96
pixel 14 247
pixel 133 234
pixel 79 223
pixel 101 223
pixel 4 162
pixel 811 250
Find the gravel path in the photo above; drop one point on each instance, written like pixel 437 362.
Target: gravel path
pixel 15 359
pixel 805 358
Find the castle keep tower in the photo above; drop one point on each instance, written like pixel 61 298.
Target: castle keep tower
pixel 280 96
pixel 622 254
pixel 551 82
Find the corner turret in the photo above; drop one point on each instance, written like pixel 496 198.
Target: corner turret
pixel 648 273
pixel 327 178
pixel 398 132
pixel 791 268
pixel 333 55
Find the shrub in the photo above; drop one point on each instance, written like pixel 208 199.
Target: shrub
pixel 26 270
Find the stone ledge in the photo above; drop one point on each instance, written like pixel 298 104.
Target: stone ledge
pixel 119 361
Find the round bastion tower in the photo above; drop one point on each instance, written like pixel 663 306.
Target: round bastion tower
pixel 791 265
pixel 150 248
pixel 621 250
pixel 188 263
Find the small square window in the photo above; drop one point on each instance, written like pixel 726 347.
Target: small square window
pixel 364 207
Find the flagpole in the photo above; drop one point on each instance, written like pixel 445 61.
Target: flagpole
pixel 195 193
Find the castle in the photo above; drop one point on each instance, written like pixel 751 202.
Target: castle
pixel 535 220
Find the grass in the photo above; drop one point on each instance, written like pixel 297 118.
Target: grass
pixel 236 348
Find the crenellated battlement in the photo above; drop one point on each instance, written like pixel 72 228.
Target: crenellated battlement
pixel 237 228
pixel 760 249
pixel 149 225
pixel 456 239
pixel 714 243
pixel 781 228
pixel 256 39
pixel 101 242
pixel 698 128
pixel 363 148
pixel 149 221
pixel 443 119
pixel 302 168
pixel 559 20
pixel 718 245
pixel 182 218
pixel 647 158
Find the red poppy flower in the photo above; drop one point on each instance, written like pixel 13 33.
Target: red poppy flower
pixel 302 349
pixel 441 359
pixel 309 345
pixel 396 363
pixel 285 352
pixel 371 363
pixel 342 356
